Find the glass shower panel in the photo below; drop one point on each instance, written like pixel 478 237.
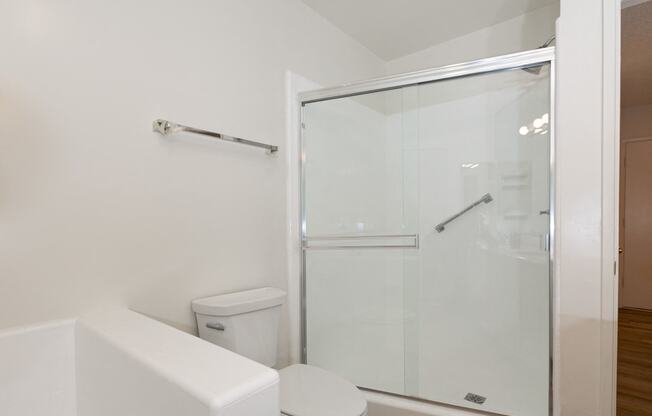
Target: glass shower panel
pixel 360 234
pixel 355 315
pixel 484 279
pixel 353 166
pixel 425 227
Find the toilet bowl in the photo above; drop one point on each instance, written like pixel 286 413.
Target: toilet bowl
pixel 247 323
pixel 312 391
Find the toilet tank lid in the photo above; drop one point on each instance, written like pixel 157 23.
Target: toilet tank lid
pixel 239 302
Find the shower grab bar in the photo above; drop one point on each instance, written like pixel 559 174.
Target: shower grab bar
pixel 351 241
pixel 167 127
pixel 486 198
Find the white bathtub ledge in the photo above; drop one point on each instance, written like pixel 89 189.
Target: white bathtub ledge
pixel 222 381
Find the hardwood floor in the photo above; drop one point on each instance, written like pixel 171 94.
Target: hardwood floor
pixel 634 363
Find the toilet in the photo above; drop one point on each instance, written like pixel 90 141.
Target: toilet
pixel 247 323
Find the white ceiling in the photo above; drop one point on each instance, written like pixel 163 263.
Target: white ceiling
pixel 636 64
pixel 394 28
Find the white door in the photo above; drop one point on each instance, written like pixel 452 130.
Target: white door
pixel 636 281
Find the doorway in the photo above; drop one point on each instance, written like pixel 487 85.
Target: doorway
pixel 635 283
pixel 636 279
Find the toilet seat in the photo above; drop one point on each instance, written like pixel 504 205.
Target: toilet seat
pixel 311 391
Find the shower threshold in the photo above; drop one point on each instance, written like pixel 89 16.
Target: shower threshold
pixel 388 404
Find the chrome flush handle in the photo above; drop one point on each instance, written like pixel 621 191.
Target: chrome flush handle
pixel 216 326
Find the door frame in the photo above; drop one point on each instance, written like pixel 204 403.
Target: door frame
pixel 512 61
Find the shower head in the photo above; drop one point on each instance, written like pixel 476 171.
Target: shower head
pixel 536 70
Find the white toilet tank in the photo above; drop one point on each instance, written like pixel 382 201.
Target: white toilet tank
pixel 243 322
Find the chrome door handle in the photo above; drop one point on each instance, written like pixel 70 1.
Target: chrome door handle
pixel 361 241
pixel 216 326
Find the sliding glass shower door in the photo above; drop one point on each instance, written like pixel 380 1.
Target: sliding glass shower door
pixel 426 221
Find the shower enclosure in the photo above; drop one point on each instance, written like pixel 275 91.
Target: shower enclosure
pixel 426 233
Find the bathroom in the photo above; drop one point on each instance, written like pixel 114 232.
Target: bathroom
pixel 107 224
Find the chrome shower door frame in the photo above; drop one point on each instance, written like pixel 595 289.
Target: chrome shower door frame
pixel 520 60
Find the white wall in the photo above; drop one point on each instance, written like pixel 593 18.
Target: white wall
pixel 94 207
pixel 521 33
